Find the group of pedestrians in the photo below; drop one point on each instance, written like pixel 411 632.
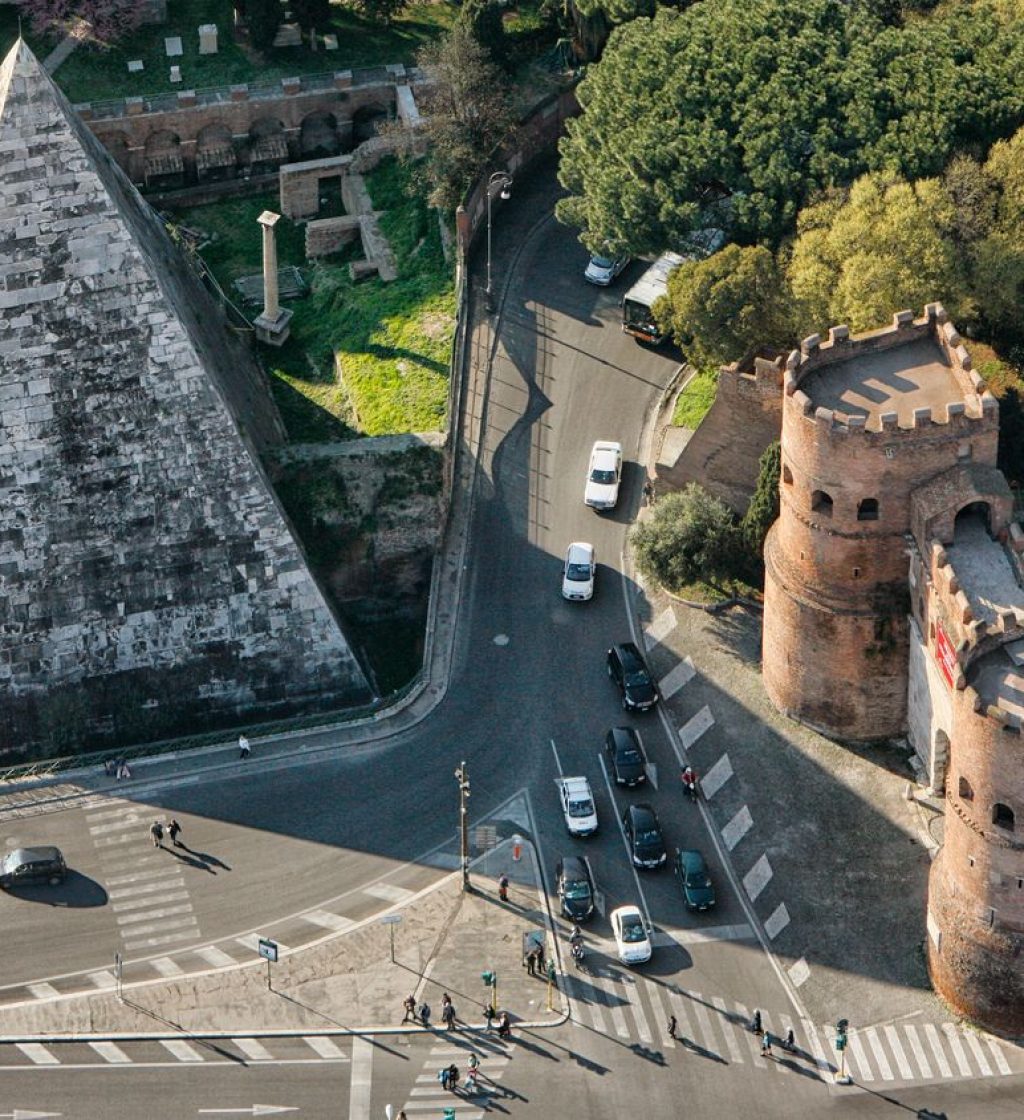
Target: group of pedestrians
pixel 449 1076
pixel 156 833
pixel 534 961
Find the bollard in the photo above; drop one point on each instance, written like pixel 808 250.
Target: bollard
pixel 517 848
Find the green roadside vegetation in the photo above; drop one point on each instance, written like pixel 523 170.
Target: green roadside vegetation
pixel 696 399
pixel 367 358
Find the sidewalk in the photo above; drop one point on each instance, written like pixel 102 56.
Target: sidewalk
pixel 347 983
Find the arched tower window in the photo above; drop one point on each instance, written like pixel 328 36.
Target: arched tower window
pixel 868 510
pixel 1002 815
pixel 821 503
pixel 966 790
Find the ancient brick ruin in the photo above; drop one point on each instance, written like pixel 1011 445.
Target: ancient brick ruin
pixel 149 581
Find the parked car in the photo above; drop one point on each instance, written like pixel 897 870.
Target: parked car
pixel 629 671
pixel 694 880
pixel 626 756
pixel 604 473
pixel 578 572
pixel 631 939
pixel 578 806
pixel 643 834
pixel 24 867
pixel 575 887
pixel 602 269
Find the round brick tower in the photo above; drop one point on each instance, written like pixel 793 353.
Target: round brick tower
pixel 976 884
pixel 865 421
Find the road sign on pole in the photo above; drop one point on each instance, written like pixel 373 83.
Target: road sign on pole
pixel 267 949
pixel 391 920
pixel 119 975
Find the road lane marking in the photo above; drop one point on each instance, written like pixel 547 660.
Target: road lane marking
pixel 737 828
pixel 103 980
pixel 110 1052
pixel 799 972
pixel 43 990
pixel 757 878
pixel 957 1047
pixel 879 1051
pixel 694 728
pixel 37 1053
pixel 362 1079
pixel 677 678
pixel 777 921
pixel 670 935
pixel 324 1047
pixel 819 1053
pixel 919 1055
pixel 855 1048
pixel 150 900
pixel 622 833
pixel 163 939
pixel 138 877
pixel 166 967
pixel 898 1052
pixel 752 1042
pixel 558 761
pixel 642 1026
pixel 979 1055
pixel 735 1054
pixel 326 920
pixel 716 777
pixel 181 1050
pixel 1000 1059
pixel 660 628
pixel 939 1053
pixel 170 917
pixel 149 888
pixel 388 893
pixel 685 1031
pixel 125 820
pixel 254 1049
pixel 212 955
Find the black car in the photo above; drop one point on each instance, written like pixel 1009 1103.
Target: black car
pixel 24 867
pixel 629 671
pixel 698 890
pixel 643 833
pixel 575 887
pixel 626 756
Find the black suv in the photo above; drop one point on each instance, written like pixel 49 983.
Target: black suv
pixel 626 755
pixel 25 866
pixel 575 888
pixel 646 844
pixel 629 671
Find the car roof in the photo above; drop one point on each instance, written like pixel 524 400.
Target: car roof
pixel 691 859
pixel 641 810
pixel 576 785
pixel 34 855
pixel 627 650
pixel 579 551
pixel 605 447
pixel 574 865
pixel 628 911
pixel 624 737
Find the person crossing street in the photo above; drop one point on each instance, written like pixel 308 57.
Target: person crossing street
pixel 156 831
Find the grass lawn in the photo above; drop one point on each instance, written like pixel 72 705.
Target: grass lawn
pixel 99 74
pixel 363 359
pixel 695 400
pixel 709 595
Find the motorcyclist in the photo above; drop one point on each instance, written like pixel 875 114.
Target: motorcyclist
pixel 689 777
pixel 576 936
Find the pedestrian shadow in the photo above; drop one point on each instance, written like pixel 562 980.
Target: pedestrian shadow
pixel 648 1053
pixel 191 860
pixel 788 1063
pixel 702 1051
pixel 206 858
pixel 197 1040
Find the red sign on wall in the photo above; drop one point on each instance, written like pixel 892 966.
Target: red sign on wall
pixel 945 655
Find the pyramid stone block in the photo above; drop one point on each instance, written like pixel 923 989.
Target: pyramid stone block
pixel 149 581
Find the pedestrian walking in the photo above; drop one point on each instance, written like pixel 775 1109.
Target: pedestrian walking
pixel 110 767
pixel 447 1011
pixel 425 1013
pixel 453 1077
pixel 174 831
pixel 766 1045
pixel 474 1063
pixel 531 962
pixel 755 1022
pixel 243 747
pixel 504 1026
pixel 672 1026
pixel 442 1076
pixel 410 1009
pixel 123 769
pixel 156 830
pixel 540 959
pixel 503 888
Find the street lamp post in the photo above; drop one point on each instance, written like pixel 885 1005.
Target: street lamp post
pixel 503 181
pixel 462 777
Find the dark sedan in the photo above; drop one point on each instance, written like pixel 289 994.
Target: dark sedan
pixel 698 890
pixel 643 834
pixel 575 887
pixel 626 756
pixel 629 671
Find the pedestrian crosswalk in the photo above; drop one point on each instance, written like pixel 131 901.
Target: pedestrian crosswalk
pixel 428 1094
pixel 629 1005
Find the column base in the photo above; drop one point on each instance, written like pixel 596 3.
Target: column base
pixel 273 331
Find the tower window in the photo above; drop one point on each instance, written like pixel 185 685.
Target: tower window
pixel 868 510
pixel 821 503
pixel 966 791
pixel 856 573
pixel 1002 815
pixel 787 475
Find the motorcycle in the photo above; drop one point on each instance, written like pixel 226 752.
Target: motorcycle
pixel 690 787
pixel 577 952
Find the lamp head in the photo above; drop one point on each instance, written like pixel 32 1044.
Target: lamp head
pixel 506 190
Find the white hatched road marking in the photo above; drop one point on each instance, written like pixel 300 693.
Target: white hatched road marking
pixel 957 1047
pixel 855 1048
pixel 670 936
pixel 919 1055
pixel 777 921
pixel 387 892
pixel 159 913
pixel 116 808
pixel 361 1080
pixel 618 1015
pixel 979 1055
pixel 935 1041
pixel 660 628
pixel 657 995
pixel 588 1004
pixel 997 1053
pixel 642 1026
pixel 36 1052
pixel 150 900
pixel 706 1034
pixel 898 1052
pixel 324 1047
pixel 725 1021
pixel 752 1042
pixel 737 828
pixel 161 926
pixel 212 955
pixel 254 1049
pixel 165 884
pixel 799 972
pixel 109 1052
pixel 43 990
pixel 682 1018
pixel 716 777
pixel 757 878
pixel 678 678
pixel 121 824
pixel 103 980
pixel 181 1050
pixel 138 877
pixel 692 730
pixel 163 939
pixel 819 1051
pixel 326 920
pixel 133 837
pixel 166 967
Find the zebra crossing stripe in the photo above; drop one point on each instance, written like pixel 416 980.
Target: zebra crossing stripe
pixel 103 980
pixel 138 877
pixel 618 1017
pixel 735 1054
pixel 820 1058
pixel 166 967
pixel 679 1010
pixel 919 1054
pixel 642 1027
pixel 165 884
pixel 997 1053
pixel 212 955
pixel 181 1050
pixel 253 1048
pixel 126 820
pixel 957 1047
pixel 43 990
pixel 326 920
pixel 149 900
pixel 164 939
pixel 979 1055
pixel 36 1052
pixel 109 1052
pixel 936 1044
pixel 898 1052
pixel 324 1047
pixel 716 777
pixel 159 915
pixel 855 1048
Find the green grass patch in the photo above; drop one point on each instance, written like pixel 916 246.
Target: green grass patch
pixel 695 400
pixel 368 358
pixel 97 73
pixel 710 595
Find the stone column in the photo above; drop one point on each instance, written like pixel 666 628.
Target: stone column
pixel 272 324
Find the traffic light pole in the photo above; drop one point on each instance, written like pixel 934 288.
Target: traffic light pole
pixel 462 777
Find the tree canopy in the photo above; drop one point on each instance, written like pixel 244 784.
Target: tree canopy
pixel 758 106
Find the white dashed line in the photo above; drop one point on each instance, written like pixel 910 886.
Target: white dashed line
pixel 757 878
pixel 737 828
pixel 716 777
pixel 680 676
pixel 777 922
pixel 692 730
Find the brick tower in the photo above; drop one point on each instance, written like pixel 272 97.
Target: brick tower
pixel 865 421
pixel 149 581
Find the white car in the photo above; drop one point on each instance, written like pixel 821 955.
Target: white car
pixel 579 571
pixel 602 270
pixel 631 938
pixel 578 806
pixel 603 475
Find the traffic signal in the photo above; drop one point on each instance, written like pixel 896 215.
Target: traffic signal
pixel 489 978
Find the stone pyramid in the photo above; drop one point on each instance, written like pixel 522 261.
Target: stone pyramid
pixel 149 581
